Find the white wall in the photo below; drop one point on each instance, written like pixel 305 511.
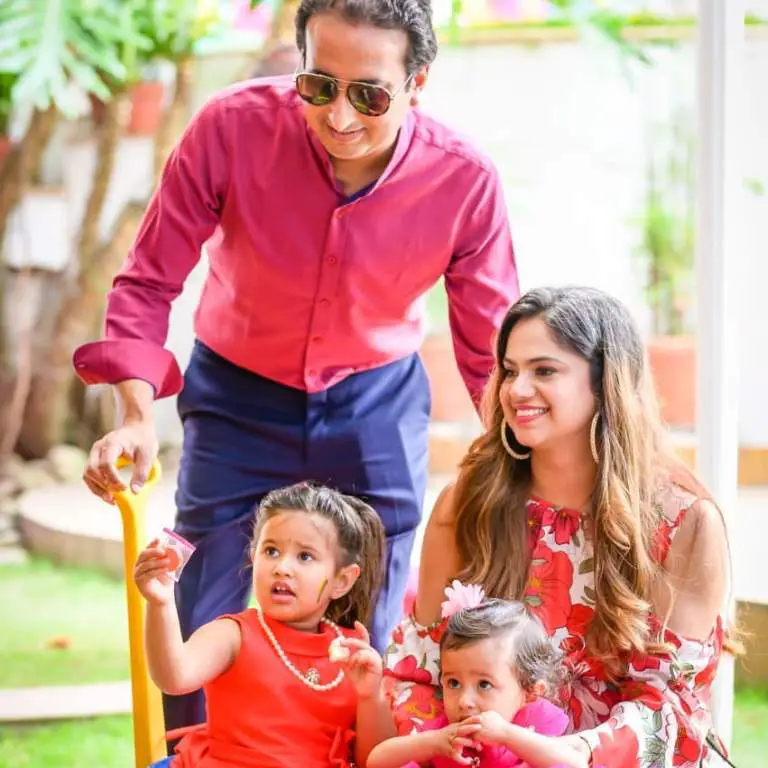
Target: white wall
pixel 567 127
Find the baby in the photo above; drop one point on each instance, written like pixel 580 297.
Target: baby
pixel 498 668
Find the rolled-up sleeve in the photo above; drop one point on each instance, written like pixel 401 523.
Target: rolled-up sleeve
pixel 182 215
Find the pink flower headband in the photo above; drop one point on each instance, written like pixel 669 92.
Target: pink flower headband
pixel 461 596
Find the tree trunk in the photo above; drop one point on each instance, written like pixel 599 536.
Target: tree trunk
pixel 24 299
pixel 47 422
pixel 109 138
pixel 46 418
pixel 23 163
pixel 21 166
pixel 175 117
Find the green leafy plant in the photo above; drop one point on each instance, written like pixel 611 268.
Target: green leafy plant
pixel 7 83
pixel 174 27
pixel 668 230
pixel 57 44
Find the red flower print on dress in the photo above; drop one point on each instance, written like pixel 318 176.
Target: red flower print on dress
pixel 572 647
pixel 535 511
pixel 579 618
pixel 687 750
pixel 574 705
pixel 410 670
pixel 434 631
pixel 706 677
pixel 534 533
pixel 663 539
pixel 642 693
pixel 564 522
pixel 397 635
pixel 548 590
pixel 422 704
pixel 644 661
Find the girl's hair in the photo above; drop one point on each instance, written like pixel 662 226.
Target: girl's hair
pixel 361 541
pixel 635 465
pixel 534 657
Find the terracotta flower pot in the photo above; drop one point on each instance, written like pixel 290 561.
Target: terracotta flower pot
pixel 146 108
pixel 450 399
pixel 5 149
pixel 672 361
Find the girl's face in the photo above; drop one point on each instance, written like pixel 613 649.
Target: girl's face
pixel 479 678
pixel 295 569
pixel 546 394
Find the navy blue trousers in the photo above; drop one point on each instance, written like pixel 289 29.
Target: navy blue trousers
pixel 245 435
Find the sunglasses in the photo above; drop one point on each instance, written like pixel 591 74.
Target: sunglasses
pixel 369 100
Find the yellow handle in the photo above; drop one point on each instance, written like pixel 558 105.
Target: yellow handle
pixel 148 725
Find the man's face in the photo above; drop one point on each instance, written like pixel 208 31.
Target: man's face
pixel 358 53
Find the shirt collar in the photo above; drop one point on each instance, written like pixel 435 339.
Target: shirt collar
pixel 402 145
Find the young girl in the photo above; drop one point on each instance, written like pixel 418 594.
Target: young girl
pixel 274 698
pixel 497 668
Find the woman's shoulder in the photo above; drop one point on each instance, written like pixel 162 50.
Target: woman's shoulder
pixel 444 511
pixel 680 510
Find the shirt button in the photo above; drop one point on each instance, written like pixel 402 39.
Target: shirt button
pixel 332 260
pixel 317 339
pixel 325 303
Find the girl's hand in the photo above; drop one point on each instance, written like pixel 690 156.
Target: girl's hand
pixel 452 740
pixel 151 573
pixel 487 727
pixel 364 666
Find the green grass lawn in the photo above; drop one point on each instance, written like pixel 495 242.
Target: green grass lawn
pixel 103 743
pixel 40 602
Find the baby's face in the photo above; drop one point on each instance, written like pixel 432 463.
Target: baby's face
pixel 478 678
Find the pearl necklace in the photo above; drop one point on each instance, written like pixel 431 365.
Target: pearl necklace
pixel 312 677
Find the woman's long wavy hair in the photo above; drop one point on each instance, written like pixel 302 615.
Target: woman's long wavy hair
pixel 635 463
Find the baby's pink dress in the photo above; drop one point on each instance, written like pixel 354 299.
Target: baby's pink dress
pixel 541 715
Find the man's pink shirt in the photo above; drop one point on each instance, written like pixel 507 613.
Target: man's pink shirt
pixel 305 287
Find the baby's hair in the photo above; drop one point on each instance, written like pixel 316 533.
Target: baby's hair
pixel 361 540
pixel 533 655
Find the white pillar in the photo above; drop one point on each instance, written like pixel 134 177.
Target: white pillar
pixel 720 190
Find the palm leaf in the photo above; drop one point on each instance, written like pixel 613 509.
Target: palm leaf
pixel 54 44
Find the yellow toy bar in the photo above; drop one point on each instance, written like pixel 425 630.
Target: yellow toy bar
pixel 148 724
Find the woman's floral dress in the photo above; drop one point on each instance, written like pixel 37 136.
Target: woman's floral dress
pixel 656 715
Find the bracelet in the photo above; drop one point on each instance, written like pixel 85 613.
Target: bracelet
pixel 422 628
pixel 589 747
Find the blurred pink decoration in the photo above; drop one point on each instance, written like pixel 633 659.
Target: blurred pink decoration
pixel 519 10
pixel 256 20
pixel 461 596
pixel 409 602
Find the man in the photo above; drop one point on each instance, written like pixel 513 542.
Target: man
pixel 329 208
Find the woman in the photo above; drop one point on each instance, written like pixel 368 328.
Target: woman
pixel 573 503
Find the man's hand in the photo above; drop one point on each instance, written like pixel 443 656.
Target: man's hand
pixel 135 440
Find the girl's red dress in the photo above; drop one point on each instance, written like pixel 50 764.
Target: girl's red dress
pixel 259 715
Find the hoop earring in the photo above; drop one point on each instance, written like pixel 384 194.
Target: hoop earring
pixel 593 437
pixel 508 447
